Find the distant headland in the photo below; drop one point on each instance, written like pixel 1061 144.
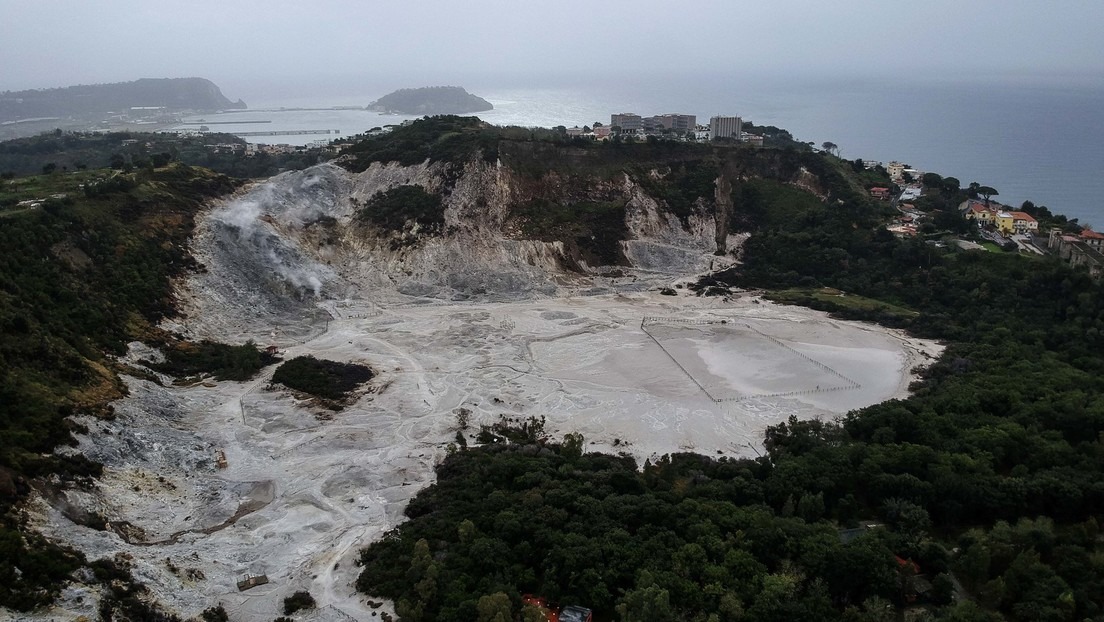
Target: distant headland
pixel 431 100
pixel 97 100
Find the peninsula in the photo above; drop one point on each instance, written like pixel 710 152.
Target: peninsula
pixel 95 100
pixel 431 100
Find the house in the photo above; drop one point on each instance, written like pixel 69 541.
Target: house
pixel 574 132
pixel 980 213
pixel 903 230
pixel 895 169
pixel 880 193
pixel 1082 254
pixel 1009 222
pixel 1024 223
pixel 251 581
pixel 1092 239
pixel 1075 250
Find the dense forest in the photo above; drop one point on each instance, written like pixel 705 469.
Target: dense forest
pixel 981 495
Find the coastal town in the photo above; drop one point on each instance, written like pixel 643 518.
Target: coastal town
pixel 992 226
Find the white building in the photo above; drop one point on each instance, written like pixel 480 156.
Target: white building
pixel 725 127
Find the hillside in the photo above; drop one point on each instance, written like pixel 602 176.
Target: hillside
pixel 86 266
pixel 96 100
pixel 431 100
pixel 77 151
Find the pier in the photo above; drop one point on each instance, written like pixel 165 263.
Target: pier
pixel 220 122
pixel 285 133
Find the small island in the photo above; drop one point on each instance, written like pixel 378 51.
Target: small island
pixel 431 100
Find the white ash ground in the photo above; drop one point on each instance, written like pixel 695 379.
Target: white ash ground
pixel 320 490
pixel 301 495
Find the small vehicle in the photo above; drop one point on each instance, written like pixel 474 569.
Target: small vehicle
pixel 575 613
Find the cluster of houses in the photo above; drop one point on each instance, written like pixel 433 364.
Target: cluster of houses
pixel 1077 249
pixel 1000 217
pixel 671 125
pixel 908 222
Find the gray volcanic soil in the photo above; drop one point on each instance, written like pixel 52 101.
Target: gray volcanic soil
pixel 479 320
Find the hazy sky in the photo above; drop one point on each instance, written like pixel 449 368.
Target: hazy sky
pixel 242 43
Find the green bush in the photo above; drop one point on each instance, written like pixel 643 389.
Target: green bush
pixel 326 379
pixel 298 601
pixel 215 614
pixel 224 362
pixel 391 210
pixel 592 229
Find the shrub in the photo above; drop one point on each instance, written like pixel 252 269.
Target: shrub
pixel 326 379
pixel 223 361
pixel 297 601
pixel 391 210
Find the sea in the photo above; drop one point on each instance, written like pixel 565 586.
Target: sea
pixel 1039 139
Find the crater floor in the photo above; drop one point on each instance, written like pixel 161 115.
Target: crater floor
pixel 303 489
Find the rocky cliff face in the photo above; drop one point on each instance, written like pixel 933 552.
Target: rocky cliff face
pixel 272 253
pixel 283 250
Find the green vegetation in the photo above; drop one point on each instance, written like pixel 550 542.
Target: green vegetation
pixel 297 602
pixel 828 299
pixel 123 598
pixel 775 137
pixel 215 614
pixel 80 275
pixel 686 539
pixel 330 380
pixel 71 153
pixel 682 186
pixel 591 230
pixel 43 567
pixel 443 138
pixel 771 203
pixel 224 362
pixel 393 209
